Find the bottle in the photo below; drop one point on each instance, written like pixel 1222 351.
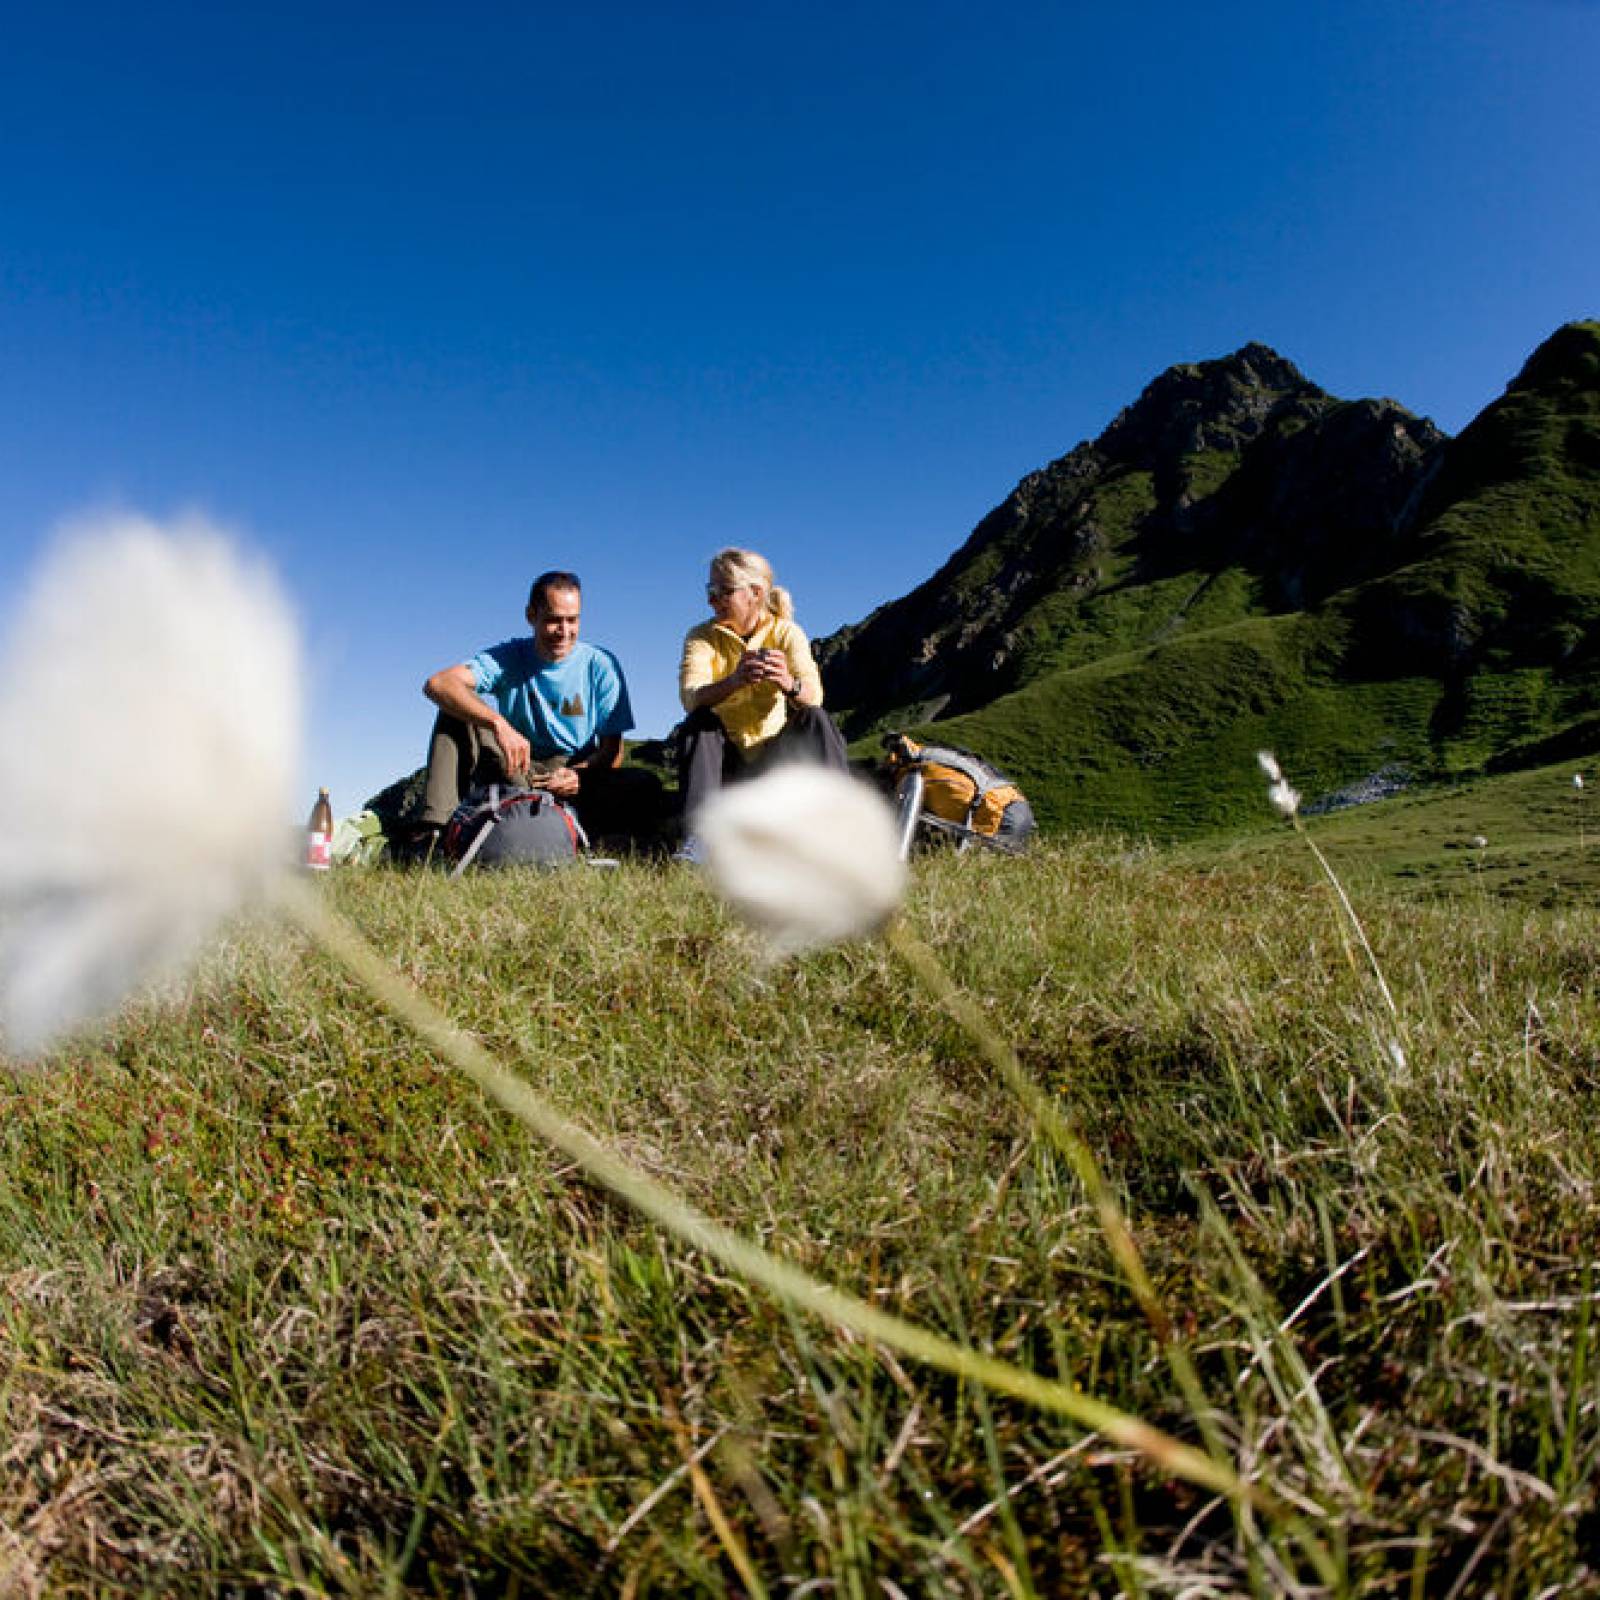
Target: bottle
pixel 319 834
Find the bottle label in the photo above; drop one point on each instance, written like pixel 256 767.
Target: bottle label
pixel 319 851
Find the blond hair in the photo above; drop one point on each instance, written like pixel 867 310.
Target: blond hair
pixel 733 566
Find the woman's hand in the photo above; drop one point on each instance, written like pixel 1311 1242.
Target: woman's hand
pixel 754 666
pixel 761 666
pixel 769 666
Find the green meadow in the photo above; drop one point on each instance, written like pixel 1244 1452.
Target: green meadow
pixel 291 1309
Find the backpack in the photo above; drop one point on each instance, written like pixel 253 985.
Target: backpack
pixel 500 826
pixel 962 790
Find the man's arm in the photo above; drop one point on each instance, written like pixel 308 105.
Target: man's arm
pixel 564 782
pixel 453 690
pixel 607 752
pixel 613 715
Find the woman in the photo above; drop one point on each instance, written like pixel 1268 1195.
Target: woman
pixel 750 687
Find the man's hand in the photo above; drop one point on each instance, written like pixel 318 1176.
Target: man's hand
pixel 515 751
pixel 562 782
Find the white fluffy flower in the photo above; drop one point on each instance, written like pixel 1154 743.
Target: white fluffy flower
pixel 1577 780
pixel 1285 799
pixel 806 854
pixel 149 733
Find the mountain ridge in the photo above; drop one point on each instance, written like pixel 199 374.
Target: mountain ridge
pixel 1423 574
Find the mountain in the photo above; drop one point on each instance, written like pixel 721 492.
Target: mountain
pixel 1242 560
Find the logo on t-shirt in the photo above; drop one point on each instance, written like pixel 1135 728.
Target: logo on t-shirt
pixel 572 706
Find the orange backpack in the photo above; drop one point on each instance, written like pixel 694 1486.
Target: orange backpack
pixel 957 786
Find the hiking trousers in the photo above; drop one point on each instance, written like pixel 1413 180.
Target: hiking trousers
pixel 708 758
pixel 611 801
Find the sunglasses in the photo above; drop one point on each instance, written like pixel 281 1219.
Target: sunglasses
pixel 722 591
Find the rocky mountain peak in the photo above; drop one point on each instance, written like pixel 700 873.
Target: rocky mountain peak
pixel 1232 486
pixel 1209 405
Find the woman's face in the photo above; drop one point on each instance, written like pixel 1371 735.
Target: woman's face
pixel 736 605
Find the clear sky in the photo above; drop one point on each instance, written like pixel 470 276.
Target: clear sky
pixel 424 299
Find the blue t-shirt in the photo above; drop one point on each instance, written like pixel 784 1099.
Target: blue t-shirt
pixel 559 707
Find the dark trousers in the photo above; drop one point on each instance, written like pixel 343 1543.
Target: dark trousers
pixel 708 758
pixel 616 802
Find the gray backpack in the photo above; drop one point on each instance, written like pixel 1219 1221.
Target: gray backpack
pixel 501 826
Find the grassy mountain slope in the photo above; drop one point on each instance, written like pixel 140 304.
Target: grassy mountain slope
pixel 1530 837
pixel 1506 587
pixel 1163 740
pixel 1242 560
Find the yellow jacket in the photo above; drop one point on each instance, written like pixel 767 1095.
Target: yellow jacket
pixel 756 712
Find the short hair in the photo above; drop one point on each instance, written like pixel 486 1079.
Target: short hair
pixel 539 594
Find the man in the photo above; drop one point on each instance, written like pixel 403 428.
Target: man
pixel 546 711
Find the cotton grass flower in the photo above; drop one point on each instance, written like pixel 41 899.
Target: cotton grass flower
pixel 806 854
pixel 1283 798
pixel 149 735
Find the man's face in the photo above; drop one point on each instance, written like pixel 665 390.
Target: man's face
pixel 555 623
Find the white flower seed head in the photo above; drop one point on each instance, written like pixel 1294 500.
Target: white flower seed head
pixel 1285 799
pixel 806 854
pixel 149 738
pixel 1577 780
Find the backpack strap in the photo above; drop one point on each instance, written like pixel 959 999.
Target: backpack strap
pixel 482 834
pixel 579 837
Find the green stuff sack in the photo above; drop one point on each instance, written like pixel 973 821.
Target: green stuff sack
pixel 358 841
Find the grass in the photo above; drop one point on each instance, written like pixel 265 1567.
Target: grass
pixel 290 1309
pixel 1527 838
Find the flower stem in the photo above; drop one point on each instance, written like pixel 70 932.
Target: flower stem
pixel 787 1282
pixel 1049 1117
pixel 1354 920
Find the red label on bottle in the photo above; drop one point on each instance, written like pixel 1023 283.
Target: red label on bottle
pixel 319 851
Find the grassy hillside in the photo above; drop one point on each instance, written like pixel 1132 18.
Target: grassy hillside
pixel 289 1310
pixel 1231 488
pixel 1162 741
pixel 1529 837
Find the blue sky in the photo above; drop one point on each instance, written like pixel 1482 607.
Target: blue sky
pixel 423 300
